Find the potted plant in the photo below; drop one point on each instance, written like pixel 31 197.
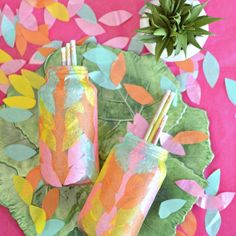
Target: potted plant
pixel 175 30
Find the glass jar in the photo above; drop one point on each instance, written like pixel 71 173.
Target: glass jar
pixel 125 189
pixel 68 127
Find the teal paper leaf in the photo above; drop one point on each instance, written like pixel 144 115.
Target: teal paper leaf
pixel 212 222
pixel 170 206
pixel 15 114
pixel 136 45
pixel 211 69
pixel 231 90
pixel 8 31
pixel 213 183
pixel 53 226
pixel 87 13
pixel 19 152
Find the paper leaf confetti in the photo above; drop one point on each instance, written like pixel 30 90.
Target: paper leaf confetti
pixel 12 66
pixel 49 20
pixel 4 56
pixel 189 226
pixel 190 137
pixel 211 69
pixel 19 152
pixel 170 145
pixel 191 187
pixel 117 42
pixel 59 11
pixel 89 28
pixel 231 90
pixel 20 102
pixel 170 206
pixel 53 226
pixel 3 78
pixel 139 94
pixel 50 202
pixel 39 3
pixel 213 183
pixel 74 6
pixel 7 11
pixel 136 45
pixel 118 69
pixel 193 90
pixel 14 114
pixel 23 188
pixel 38 216
pixel 87 13
pixel 115 18
pixel 34 79
pixel 186 65
pixel 212 222
pixel 34 177
pixel 8 31
pixel 21 43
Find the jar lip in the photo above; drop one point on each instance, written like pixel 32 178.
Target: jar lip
pixel 66 69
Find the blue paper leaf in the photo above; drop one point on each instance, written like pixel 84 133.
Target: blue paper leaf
pixel 211 69
pixel 19 152
pixel 212 222
pixel 231 90
pixel 182 78
pixel 8 31
pixel 136 45
pixel 15 114
pixel 170 206
pixel 53 226
pixel 213 183
pixel 87 13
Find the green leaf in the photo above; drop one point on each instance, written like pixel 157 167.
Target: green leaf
pixel 160 46
pixel 199 32
pixel 193 41
pixel 75 232
pixel 147 30
pixel 170 47
pixel 160 32
pixel 205 20
pixel 195 12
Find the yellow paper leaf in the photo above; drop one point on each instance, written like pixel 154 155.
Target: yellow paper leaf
pixel 23 188
pixel 35 79
pixel 4 56
pixel 59 11
pixel 89 91
pixel 3 78
pixel 21 85
pixel 20 102
pixel 38 216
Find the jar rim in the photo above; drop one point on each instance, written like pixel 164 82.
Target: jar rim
pixel 67 69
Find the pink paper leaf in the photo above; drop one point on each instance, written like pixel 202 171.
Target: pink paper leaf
pixel 74 6
pixel 193 90
pixel 115 18
pixel 12 66
pixel 4 88
pixel 219 202
pixel 138 127
pixel 89 28
pixel 117 42
pixel 191 187
pixel 170 145
pixel 48 18
pixel 198 57
pixel 7 11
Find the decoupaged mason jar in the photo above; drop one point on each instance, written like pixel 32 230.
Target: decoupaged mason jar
pixel 68 127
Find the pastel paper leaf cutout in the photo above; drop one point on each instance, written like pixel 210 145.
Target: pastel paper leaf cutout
pixel 193 90
pixel 213 183
pixel 50 202
pixel 12 66
pixel 23 188
pixel 211 69
pixel 118 69
pixel 21 43
pixel 20 102
pixel 14 114
pixel 7 11
pixel 8 31
pixel 170 206
pixel 189 226
pixel 190 137
pixel 89 28
pixel 4 56
pixel 21 85
pixel 74 6
pixel 191 187
pixel 186 65
pixel 179 233
pixel 19 152
pixel 4 88
pixel 48 18
pixel 136 45
pixel 231 90
pixel 183 78
pixel 38 216
pixel 139 126
pixel 117 42
pixel 87 13
pixel 59 11
pixel 3 78
pixel 115 18
pixel 39 3
pixel 170 145
pixel 53 226
pixel 212 222
pixel 139 94
pixel 34 177
pixel 34 79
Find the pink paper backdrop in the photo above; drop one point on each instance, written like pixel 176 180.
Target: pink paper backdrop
pixel 221 112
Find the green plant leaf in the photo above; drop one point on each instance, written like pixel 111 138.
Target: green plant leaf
pixel 160 32
pixel 160 46
pixel 205 20
pixel 193 41
pixel 196 10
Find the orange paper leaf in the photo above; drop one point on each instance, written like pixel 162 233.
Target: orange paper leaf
pixel 189 226
pixel 46 51
pixel 187 65
pixel 139 94
pixel 82 40
pixel 34 177
pixel 190 137
pixel 50 202
pixel 40 3
pixel 21 43
pixel 179 233
pixel 118 69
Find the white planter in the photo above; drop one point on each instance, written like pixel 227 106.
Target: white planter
pixel 191 50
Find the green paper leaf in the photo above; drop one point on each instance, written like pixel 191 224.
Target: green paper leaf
pixel 15 114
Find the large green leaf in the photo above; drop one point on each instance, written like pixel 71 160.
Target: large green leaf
pixel 116 108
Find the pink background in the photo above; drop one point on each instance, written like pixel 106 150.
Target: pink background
pixel 221 112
